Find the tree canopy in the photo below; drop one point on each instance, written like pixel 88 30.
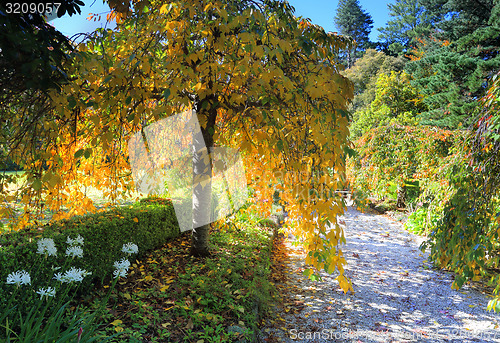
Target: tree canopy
pixel 31 50
pixel 365 73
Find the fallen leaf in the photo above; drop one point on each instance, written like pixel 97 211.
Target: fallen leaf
pixel 116 322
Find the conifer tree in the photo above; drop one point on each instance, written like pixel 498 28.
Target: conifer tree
pixel 352 21
pixel 452 66
pixel 409 19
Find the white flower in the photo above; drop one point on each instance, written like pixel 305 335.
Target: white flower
pixel 72 275
pixel 122 264
pixel 48 292
pixel 21 277
pixel 120 273
pixel 77 240
pixel 47 246
pixel 74 251
pixel 121 268
pixel 59 277
pixel 130 248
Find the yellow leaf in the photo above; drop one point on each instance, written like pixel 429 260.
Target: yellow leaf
pixel 164 9
pixel 136 220
pixel 116 322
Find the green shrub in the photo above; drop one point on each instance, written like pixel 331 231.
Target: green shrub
pixel 421 221
pixel 399 160
pixel 465 238
pixel 149 224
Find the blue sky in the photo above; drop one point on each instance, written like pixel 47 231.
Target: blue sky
pixel 321 12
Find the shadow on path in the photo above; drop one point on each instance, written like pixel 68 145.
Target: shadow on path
pixel 398 296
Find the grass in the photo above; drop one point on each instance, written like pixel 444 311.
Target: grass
pixel 170 296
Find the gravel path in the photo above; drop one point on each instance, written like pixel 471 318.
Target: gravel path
pixel 398 296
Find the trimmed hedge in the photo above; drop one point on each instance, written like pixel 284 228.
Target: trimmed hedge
pixel 149 223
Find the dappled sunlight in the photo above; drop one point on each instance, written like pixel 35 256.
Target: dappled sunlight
pixel 397 295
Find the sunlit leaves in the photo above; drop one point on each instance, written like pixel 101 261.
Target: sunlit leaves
pixel 260 80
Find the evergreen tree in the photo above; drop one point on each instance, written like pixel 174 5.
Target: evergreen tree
pixel 410 19
pixel 352 21
pixel 453 64
pixel 32 52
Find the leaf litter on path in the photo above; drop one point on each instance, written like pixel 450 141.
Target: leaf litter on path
pixel 398 296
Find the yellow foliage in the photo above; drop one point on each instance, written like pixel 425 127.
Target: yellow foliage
pixel 274 92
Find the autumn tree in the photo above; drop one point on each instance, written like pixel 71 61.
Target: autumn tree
pixel 397 154
pixel 465 237
pixel 365 73
pixel 257 78
pixel 352 21
pixel 396 102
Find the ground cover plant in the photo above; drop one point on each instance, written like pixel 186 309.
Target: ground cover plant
pixel 162 296
pixel 170 296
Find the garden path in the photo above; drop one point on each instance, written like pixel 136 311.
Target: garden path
pixel 399 296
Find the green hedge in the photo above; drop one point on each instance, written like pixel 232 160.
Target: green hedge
pixel 149 223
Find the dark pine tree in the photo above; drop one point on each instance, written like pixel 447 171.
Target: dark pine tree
pixel 352 21
pixel 409 20
pixel 458 59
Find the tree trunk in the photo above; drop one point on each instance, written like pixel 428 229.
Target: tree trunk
pixel 202 191
pixel 401 196
pixel 202 184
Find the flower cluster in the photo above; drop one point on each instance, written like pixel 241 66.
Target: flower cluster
pixel 72 275
pixel 46 292
pixel 74 251
pixel 21 277
pixel 77 241
pixel 130 248
pixel 121 268
pixel 46 246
